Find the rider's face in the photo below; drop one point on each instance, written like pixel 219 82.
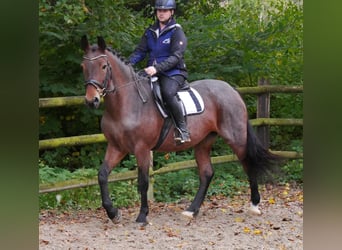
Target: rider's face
pixel 164 15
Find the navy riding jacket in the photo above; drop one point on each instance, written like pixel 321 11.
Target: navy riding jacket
pixel 165 49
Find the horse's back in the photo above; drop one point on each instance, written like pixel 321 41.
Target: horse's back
pixel 218 91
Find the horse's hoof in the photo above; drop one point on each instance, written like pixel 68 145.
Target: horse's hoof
pixel 188 214
pixel 117 218
pixel 144 224
pixel 254 210
pixel 142 218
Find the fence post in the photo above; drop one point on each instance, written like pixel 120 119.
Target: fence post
pixel 150 195
pixel 263 111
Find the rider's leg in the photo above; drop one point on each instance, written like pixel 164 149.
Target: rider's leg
pixel 169 87
pixel 176 109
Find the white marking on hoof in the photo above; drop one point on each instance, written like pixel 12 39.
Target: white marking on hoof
pixel 117 218
pixel 188 214
pixel 254 210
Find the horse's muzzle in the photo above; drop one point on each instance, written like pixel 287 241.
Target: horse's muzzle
pixel 93 103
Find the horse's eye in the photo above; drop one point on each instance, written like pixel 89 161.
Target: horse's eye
pixel 104 66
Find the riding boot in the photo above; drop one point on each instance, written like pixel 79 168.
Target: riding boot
pixel 177 112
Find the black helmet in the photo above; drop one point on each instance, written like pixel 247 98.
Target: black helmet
pixel 165 5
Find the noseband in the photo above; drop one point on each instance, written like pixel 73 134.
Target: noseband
pixel 101 88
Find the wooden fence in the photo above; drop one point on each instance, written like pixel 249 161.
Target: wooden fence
pixel 262 122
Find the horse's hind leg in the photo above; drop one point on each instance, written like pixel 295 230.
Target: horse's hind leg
pixel 253 184
pixel 244 148
pixel 241 151
pixel 206 173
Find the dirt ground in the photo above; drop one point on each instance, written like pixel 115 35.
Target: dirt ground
pixel 222 223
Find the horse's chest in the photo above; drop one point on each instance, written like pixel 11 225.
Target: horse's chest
pixel 118 128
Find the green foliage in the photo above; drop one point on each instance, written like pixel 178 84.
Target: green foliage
pixel 81 198
pixel 173 186
pixel 293 172
pixel 51 175
pixel 247 40
pixel 229 179
pixel 123 193
pixel 88 156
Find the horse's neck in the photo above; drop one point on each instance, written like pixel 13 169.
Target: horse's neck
pixel 130 91
pixel 121 73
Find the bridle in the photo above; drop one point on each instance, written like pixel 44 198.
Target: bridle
pixel 101 88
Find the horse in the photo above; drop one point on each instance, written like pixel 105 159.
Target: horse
pixel 132 124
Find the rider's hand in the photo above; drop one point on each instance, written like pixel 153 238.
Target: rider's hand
pixel 151 70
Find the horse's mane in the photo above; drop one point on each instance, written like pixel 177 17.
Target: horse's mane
pixel 118 55
pixel 123 59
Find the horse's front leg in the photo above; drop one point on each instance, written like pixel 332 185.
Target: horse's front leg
pixel 143 161
pixel 112 158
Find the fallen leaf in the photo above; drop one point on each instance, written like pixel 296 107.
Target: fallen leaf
pixel 45 242
pixel 271 200
pixel 239 211
pixel 257 231
pixel 239 219
pixel 286 219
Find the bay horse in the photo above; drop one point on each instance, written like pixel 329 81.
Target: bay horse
pixel 132 124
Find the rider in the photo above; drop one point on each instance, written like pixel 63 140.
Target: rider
pixel 165 43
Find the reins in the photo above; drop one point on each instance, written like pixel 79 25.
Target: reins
pixel 136 80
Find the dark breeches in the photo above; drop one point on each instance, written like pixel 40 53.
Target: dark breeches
pixel 169 86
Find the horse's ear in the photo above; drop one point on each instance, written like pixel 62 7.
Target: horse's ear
pixel 84 43
pixel 101 43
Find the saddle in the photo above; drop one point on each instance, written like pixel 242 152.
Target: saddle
pixel 191 100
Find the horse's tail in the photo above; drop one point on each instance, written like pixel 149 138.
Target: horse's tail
pixel 260 161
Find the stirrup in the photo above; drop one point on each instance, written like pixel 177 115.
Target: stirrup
pixel 182 137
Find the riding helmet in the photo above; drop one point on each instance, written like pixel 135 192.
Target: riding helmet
pixel 165 5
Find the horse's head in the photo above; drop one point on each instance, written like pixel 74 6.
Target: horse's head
pixel 97 71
